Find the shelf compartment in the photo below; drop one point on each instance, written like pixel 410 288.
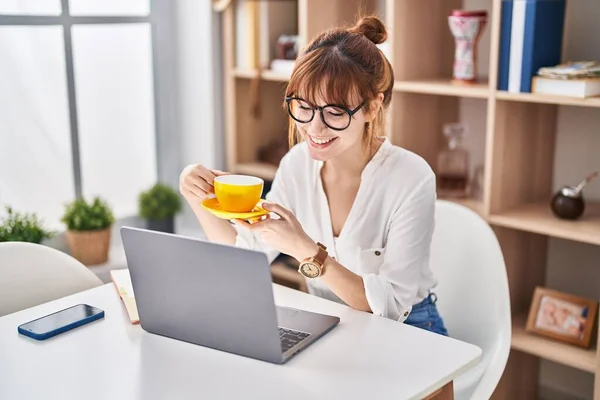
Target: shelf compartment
pixel 267 75
pixel 443 87
pixel 538 218
pixel 552 350
pixel 262 170
pixel 548 99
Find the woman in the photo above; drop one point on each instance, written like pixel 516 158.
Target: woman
pixel 356 211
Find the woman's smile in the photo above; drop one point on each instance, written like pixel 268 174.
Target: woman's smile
pixel 321 143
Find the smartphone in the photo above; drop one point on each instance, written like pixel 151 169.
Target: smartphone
pixel 60 321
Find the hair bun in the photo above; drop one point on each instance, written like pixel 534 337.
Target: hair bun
pixel 372 27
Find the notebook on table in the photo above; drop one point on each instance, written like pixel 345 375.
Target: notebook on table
pixel 122 282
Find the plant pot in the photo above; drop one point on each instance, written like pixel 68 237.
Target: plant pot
pixel 163 225
pixel 89 247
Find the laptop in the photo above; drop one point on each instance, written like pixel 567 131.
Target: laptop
pixel 216 296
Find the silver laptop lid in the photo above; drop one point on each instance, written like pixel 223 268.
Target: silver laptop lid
pixel 205 293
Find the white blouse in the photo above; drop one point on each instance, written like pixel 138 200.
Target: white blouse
pixel 387 235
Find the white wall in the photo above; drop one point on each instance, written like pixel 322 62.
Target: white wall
pixel 199 90
pixel 572 267
pixel 196 81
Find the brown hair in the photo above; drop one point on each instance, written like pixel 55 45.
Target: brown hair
pixel 341 64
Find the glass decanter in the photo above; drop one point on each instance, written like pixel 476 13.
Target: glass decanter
pixel 453 164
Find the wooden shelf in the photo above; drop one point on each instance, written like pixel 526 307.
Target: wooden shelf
pixel 548 349
pixel 538 218
pixel 262 170
pixel 520 135
pixel 547 99
pixel 443 87
pixel 267 75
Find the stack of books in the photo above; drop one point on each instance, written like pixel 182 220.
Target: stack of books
pixel 531 36
pixel 573 79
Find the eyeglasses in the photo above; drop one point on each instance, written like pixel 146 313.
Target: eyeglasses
pixel 333 116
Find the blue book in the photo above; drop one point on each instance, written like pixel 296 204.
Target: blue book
pixel 536 41
pixel 542 43
pixel 504 51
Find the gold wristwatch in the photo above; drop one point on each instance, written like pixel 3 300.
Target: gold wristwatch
pixel 312 267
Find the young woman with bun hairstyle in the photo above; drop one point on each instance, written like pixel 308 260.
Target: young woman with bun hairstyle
pixel 356 211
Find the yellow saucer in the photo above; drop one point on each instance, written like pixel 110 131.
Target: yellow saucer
pixel 212 205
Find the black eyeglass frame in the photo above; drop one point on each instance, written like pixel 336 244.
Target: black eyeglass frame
pixel 348 111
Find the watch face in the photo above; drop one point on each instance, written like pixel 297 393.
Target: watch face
pixel 310 270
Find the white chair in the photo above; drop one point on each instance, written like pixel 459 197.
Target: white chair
pixel 32 274
pixel 473 296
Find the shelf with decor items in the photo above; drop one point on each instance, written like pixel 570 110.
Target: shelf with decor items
pixel 520 164
pixel 516 140
pixel 565 354
pixel 538 218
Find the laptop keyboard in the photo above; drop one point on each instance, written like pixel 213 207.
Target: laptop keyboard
pixel 289 338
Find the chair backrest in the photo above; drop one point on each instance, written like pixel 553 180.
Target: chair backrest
pixel 32 274
pixel 473 295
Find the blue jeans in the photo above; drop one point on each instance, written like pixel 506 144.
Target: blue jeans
pixel 425 315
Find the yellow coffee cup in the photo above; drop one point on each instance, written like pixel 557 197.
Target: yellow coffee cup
pixel 238 193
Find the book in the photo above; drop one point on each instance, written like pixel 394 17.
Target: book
pixel 122 282
pixel 246 34
pixel 579 88
pixel 517 33
pixel 536 40
pixel 504 52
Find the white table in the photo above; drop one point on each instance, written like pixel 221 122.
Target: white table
pixel 364 357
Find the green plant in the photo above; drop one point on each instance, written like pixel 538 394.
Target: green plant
pixel 159 202
pixel 83 216
pixel 18 227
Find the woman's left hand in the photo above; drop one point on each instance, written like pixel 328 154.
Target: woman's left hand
pixel 284 234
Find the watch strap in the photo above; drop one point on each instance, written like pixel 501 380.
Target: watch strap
pixel 321 255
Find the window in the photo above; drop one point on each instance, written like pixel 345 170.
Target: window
pixel 78 112
pixel 35 142
pixel 30 7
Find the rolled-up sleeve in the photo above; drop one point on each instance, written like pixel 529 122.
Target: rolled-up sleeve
pixel 392 290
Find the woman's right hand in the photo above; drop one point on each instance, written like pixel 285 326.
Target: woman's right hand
pixel 196 182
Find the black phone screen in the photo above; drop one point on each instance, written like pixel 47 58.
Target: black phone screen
pixel 61 319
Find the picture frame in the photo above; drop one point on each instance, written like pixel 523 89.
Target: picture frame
pixel 562 316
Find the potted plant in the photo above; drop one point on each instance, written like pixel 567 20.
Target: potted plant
pixel 22 227
pixel 88 230
pixel 158 206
